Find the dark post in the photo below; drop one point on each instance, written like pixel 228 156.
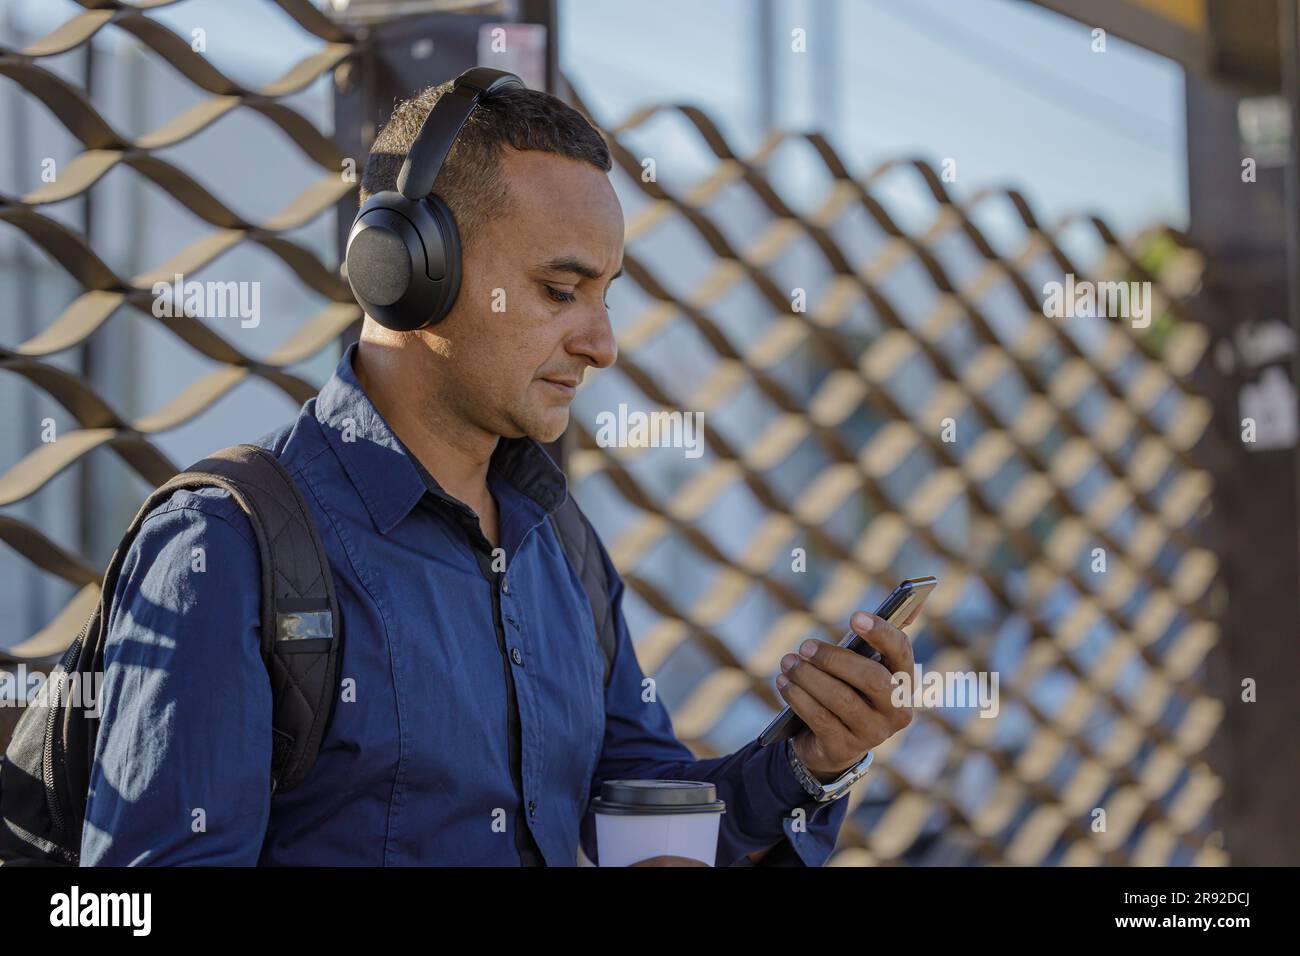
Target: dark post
pixel 1241 228
pixel 1289 25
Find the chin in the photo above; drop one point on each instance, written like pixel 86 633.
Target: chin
pixel 550 426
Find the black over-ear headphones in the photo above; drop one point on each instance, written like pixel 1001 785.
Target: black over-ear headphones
pixel 403 252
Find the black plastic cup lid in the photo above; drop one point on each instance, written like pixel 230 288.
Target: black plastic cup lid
pixel 654 797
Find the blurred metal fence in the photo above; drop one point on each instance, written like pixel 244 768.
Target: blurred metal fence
pixel 944 426
pixel 104 148
pixel 920 415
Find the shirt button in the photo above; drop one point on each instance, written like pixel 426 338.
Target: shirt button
pixel 532 808
pixel 505 585
pixel 517 657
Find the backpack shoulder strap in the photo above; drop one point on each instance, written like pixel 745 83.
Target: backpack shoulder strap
pixel 47 764
pixel 301 624
pixel 582 548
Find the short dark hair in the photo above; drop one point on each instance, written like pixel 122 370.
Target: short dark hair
pixel 470 180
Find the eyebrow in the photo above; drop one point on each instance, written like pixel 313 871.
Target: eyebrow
pixel 578 267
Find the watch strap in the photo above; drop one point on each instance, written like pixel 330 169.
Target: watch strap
pixel 814 787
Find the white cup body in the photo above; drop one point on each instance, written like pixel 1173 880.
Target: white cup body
pixel 624 839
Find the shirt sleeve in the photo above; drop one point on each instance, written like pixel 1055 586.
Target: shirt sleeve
pixel 766 806
pixel 181 773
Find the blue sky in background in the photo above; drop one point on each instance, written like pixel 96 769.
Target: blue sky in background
pixel 1014 93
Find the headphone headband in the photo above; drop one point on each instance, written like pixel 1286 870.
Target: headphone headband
pixel 432 144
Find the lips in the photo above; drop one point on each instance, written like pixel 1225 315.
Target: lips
pixel 567 386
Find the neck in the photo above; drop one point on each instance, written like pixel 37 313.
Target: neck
pixel 455 452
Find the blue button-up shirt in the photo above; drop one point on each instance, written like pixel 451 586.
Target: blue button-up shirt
pixel 473 723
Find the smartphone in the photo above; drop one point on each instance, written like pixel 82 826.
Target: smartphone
pixel 899 609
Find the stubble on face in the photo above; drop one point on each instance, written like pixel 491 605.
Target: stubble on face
pixel 506 335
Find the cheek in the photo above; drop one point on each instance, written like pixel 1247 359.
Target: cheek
pixel 512 335
pixel 528 337
pixel 506 362
pixel 491 323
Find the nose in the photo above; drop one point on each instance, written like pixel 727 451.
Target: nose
pixel 595 340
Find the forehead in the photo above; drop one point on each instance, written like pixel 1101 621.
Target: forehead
pixel 558 201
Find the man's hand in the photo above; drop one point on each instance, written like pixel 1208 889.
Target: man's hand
pixel 845 698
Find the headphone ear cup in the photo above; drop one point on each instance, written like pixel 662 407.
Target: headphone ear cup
pixel 403 261
pixel 443 255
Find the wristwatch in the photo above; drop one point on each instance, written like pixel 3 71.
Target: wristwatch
pixel 825 792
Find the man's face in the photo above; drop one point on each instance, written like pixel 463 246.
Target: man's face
pixel 530 317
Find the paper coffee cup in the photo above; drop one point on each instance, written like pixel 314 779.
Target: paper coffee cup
pixel 640 819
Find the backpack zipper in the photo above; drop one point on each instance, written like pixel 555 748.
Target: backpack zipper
pixel 51 720
pixel 51 797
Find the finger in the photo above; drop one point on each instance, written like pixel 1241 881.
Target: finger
pixel 866 676
pixel 895 647
pixel 837 690
pixel 828 728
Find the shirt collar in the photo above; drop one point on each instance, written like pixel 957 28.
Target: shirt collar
pixel 388 478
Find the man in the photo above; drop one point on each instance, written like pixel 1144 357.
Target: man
pixel 473 723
